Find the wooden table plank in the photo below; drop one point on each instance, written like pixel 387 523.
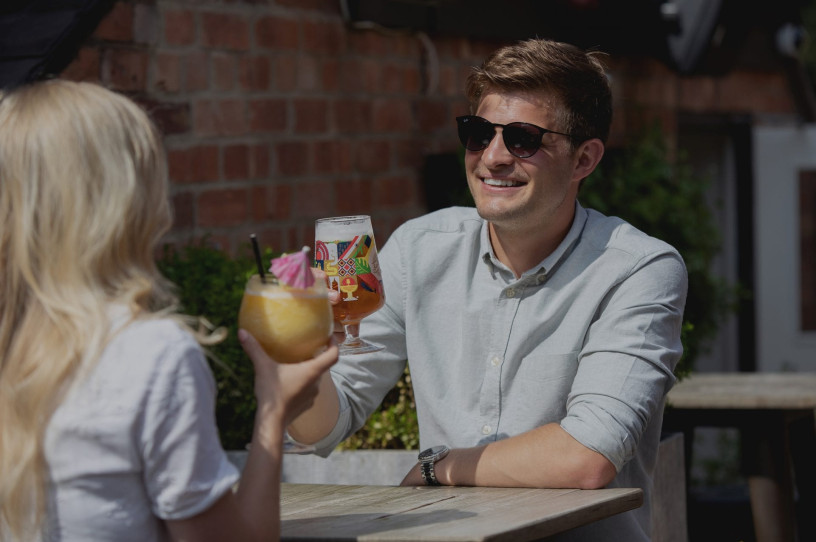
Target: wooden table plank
pixel 745 391
pixel 772 411
pixel 388 513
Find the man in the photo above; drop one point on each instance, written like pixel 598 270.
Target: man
pixel 542 336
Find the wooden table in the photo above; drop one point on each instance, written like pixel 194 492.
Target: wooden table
pixel 353 512
pixel 775 415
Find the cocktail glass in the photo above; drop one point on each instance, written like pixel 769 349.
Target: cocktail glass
pixel 291 324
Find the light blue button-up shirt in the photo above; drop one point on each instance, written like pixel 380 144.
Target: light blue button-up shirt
pixel 589 339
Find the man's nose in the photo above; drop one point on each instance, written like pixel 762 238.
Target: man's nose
pixel 496 153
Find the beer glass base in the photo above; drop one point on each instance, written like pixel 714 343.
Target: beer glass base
pixel 291 446
pixel 359 347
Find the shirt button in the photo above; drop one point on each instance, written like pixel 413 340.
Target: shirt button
pixel 486 430
pixel 511 292
pixel 495 361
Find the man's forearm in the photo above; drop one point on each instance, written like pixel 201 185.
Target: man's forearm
pixel 320 419
pixel 544 457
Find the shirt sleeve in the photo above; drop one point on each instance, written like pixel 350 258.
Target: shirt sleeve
pixel 626 366
pixel 185 468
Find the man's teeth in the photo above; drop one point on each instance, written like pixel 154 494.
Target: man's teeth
pixel 498 182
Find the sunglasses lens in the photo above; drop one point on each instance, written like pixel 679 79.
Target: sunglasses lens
pixel 522 140
pixel 475 133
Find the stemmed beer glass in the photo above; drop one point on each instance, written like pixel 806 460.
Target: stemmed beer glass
pixel 346 251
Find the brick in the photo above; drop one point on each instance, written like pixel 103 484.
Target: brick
pixel 259 161
pixel 314 199
pixel 330 75
pixel 293 158
pixel 183 211
pixel 267 115
pixel 223 207
pixel 368 43
pixel 224 71
pixel 85 67
pixel 392 78
pixel 373 156
pixel 323 37
pixel 433 116
pixel 193 165
pixel 394 192
pixel 117 25
pixel 219 117
pixel 271 202
pixel 179 27
pixel 279 33
pixel 354 196
pixel 411 152
pixel 333 156
pixel 392 116
pixel 351 76
pixel 412 80
pixel 167 72
pixel 236 162
pixel 352 116
pixel 225 31
pixel 310 116
pixel 125 69
pixel 255 73
pixel 370 76
pixel 170 117
pixel 196 71
pixel 286 73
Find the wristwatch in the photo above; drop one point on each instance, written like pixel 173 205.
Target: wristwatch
pixel 427 459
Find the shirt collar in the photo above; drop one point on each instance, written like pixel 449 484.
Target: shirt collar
pixel 548 263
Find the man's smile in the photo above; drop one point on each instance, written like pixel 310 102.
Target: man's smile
pixel 501 182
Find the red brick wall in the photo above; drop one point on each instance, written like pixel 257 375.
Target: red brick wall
pixel 277 113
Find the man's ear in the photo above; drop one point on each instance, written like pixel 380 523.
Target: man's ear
pixel 587 157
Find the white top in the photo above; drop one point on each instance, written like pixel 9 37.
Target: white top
pixel 135 441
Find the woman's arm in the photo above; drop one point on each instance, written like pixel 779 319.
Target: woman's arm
pixel 252 512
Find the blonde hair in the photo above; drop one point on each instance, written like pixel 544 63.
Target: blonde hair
pixel 83 204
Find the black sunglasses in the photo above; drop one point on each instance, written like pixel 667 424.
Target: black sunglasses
pixel 521 138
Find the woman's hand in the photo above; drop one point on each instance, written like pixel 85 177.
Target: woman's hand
pixel 285 390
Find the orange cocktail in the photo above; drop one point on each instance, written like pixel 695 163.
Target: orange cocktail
pixel 291 324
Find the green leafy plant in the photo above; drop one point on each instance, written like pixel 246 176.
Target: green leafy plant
pixel 393 426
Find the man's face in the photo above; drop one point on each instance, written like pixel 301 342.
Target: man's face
pixel 523 194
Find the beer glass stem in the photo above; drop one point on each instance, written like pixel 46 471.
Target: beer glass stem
pixel 352 335
pixel 353 344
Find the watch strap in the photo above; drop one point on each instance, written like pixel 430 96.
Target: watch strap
pixel 428 473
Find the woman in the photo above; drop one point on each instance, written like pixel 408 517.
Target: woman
pixel 107 427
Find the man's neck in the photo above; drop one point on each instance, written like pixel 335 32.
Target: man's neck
pixel 520 251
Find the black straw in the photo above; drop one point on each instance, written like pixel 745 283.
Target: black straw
pixel 257 251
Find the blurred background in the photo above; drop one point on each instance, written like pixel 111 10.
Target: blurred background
pixel 278 112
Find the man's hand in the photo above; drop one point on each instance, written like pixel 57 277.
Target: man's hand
pixel 334 299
